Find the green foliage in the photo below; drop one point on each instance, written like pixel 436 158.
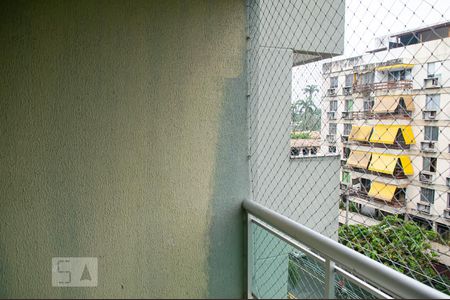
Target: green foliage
pixel 293 272
pixel 305 114
pixel 353 207
pixel 401 245
pixel 301 135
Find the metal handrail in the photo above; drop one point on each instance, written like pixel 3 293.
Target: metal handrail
pixel 355 262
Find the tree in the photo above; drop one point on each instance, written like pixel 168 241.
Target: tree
pixel 401 245
pixel 304 112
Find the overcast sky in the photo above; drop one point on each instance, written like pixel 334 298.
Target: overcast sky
pixel 367 19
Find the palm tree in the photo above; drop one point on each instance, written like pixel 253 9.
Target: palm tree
pixel 305 111
pixel 310 89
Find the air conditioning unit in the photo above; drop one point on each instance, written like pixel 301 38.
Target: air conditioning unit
pixel 331 92
pixel 428 146
pixel 426 177
pixel 423 208
pixel 331 138
pixel 447 213
pixel 347 90
pixel 347 115
pixel 331 115
pixel 431 81
pixel 429 114
pixel 345 189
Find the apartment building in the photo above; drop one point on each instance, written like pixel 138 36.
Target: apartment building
pixel 387 114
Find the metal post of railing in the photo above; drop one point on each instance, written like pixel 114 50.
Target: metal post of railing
pixel 249 257
pixel 347 204
pixel 329 279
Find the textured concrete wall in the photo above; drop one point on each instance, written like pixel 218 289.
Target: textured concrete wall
pixel 123 137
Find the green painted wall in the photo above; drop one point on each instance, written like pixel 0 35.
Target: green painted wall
pixel 123 136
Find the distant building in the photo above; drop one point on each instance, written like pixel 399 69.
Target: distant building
pixel 387 113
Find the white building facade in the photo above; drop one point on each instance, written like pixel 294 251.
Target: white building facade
pixel 387 113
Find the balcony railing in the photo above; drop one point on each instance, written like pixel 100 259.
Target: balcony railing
pixel 359 193
pixel 328 261
pixel 389 85
pixel 364 115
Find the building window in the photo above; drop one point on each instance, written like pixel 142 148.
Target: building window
pixel 431 133
pixel 347 129
pixel 349 105
pixel 333 82
pixel 368 104
pixel 348 80
pixel 346 152
pixel 332 128
pixel 365 185
pixel 427 195
pixel 332 149
pixel 404 74
pixel 333 105
pixel 433 102
pixel 448 200
pixel 314 151
pixel 429 164
pixel 433 68
pixel 346 178
pixel 443 231
pixel 367 78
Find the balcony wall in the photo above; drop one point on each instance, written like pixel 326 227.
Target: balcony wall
pixel 123 137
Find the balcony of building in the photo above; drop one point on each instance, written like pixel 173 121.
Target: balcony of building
pixel 382 164
pixel 387 85
pixel 385 136
pixel 388 197
pixel 384 77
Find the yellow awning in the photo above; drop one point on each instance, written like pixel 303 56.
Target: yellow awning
pixel 385 163
pixel 359 159
pixel 408 134
pixel 382 191
pixel 396 66
pixel 409 104
pixel 388 104
pixel 386 134
pixel 385 104
pixel 360 133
